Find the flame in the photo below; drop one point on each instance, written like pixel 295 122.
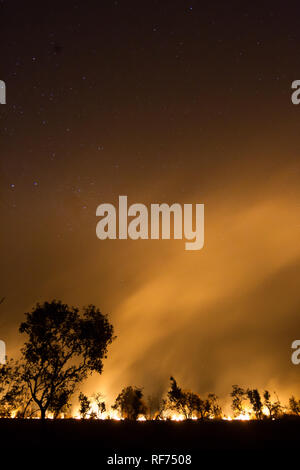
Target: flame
pixel 177 417
pixel 113 415
pixel 243 417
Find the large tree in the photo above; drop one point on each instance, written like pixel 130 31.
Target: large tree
pixel 64 346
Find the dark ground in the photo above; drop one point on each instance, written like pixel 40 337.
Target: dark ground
pixel 217 439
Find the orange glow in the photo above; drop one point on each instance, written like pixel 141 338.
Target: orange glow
pixel 243 417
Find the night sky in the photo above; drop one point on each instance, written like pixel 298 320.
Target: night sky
pixel 162 101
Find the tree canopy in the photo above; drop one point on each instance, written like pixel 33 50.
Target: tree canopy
pixel 63 347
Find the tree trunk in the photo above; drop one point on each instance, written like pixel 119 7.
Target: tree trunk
pixel 43 413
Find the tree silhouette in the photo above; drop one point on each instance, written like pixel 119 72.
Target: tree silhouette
pixel 178 399
pixel 202 407
pixel 9 389
pixel 238 395
pixel 215 408
pixel 60 403
pixel 256 403
pixel 14 395
pixel 294 406
pixel 85 405
pixel 100 403
pixel 63 347
pixel 130 403
pixel 190 404
pixel 274 408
